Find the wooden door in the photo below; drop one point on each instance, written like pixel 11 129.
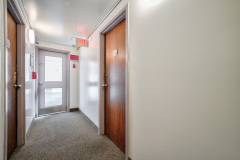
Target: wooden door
pixel 11 81
pixel 115 80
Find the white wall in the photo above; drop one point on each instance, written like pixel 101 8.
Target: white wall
pixel 29 82
pixel 184 62
pixel 89 81
pixel 2 115
pixel 74 72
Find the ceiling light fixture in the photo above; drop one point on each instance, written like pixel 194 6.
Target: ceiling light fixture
pixel 153 2
pixel 31 36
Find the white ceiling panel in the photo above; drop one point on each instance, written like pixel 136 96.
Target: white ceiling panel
pixel 57 21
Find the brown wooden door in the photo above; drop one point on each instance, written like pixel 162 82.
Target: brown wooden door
pixel 115 91
pixel 11 81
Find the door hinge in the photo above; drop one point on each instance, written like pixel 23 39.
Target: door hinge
pixel 8 43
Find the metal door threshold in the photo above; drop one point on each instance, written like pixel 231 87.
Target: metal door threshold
pixel 50 114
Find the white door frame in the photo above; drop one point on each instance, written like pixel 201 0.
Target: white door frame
pixel 37 48
pixel 123 14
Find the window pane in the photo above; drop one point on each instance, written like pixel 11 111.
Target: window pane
pixel 53 68
pixel 53 97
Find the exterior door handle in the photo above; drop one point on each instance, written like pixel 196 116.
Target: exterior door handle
pixel 104 85
pixel 17 86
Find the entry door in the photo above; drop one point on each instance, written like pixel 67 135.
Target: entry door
pixel 52 82
pixel 11 81
pixel 115 85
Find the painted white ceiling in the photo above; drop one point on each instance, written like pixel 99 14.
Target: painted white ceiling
pixel 57 21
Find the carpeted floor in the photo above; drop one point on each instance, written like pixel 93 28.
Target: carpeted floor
pixel 66 136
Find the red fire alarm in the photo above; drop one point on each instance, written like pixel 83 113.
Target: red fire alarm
pixel 74 65
pixel 34 75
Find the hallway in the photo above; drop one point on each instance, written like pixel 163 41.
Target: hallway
pixel 152 79
pixel 66 136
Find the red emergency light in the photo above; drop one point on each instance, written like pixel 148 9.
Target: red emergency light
pixel 34 75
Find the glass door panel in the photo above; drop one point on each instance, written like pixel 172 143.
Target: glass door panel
pixel 53 97
pixel 53 68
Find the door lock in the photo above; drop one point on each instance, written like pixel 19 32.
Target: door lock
pixel 17 86
pixel 104 85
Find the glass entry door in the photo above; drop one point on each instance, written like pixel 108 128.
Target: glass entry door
pixel 52 82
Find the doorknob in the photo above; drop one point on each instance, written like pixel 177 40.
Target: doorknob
pixel 104 85
pixel 17 86
pixel 40 83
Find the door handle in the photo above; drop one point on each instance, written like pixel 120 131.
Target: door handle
pixel 40 83
pixel 104 85
pixel 17 86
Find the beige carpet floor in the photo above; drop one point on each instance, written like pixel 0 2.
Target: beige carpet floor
pixel 66 136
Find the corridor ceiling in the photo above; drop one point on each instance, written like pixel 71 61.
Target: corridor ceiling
pixel 57 21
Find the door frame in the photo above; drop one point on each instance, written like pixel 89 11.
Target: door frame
pixel 37 48
pixel 21 136
pixel 122 14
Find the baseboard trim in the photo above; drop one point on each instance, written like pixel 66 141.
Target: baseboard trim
pixel 30 127
pixel 89 120
pixel 74 109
